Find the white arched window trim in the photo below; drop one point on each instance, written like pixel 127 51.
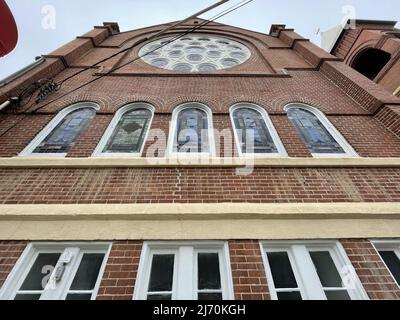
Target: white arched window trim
pixel 98 152
pixel 272 131
pixel 172 129
pixel 28 151
pixel 348 149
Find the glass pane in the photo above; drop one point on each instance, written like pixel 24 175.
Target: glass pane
pixel 67 132
pixel 208 271
pixel 392 262
pixel 40 272
pixel 253 132
pixel 27 297
pixel 88 272
pixel 337 295
pixel 162 272
pixel 326 269
pixel 313 132
pixel 210 296
pixel 129 134
pixel 281 269
pixel 79 296
pixel 159 297
pixel 192 131
pixel 295 295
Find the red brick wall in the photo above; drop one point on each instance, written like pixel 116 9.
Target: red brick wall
pixel 10 251
pixel 119 277
pixel 14 140
pixel 371 270
pixel 90 138
pixel 248 273
pixel 197 185
pixel 354 41
pixel 335 89
pixel 390 117
pixel 367 136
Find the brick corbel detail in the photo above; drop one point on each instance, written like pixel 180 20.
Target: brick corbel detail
pixel 97 36
pixel 389 116
pixel 368 94
pixel 312 53
pixel 81 45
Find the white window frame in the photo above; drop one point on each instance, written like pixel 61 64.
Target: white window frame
pixel 173 127
pixel 28 151
pixel 347 148
pixel 24 264
pixel 270 126
pixel 98 152
pixel 387 245
pixel 185 268
pixel 304 270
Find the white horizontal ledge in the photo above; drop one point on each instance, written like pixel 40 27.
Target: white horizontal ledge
pixel 45 162
pixel 200 211
pixel 199 221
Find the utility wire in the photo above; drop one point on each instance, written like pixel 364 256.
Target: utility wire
pixel 205 23
pixel 220 15
pixel 156 35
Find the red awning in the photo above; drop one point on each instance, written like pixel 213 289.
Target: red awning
pixel 8 30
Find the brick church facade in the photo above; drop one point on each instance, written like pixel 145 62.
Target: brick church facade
pixel 143 185
pixel 370 47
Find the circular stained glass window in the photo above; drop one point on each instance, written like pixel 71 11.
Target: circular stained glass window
pixel 229 63
pixel 207 67
pixel 197 53
pixel 183 67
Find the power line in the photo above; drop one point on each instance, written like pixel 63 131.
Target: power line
pixel 204 23
pixel 147 39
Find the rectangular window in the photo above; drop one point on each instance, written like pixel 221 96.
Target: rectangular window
pixel 390 254
pixel 184 271
pixel 310 271
pixel 56 271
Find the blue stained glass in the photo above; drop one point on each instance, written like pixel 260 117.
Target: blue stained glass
pixel 192 131
pixel 67 132
pixel 249 124
pixel 313 133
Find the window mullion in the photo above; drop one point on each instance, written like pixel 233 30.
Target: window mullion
pixel 308 274
pixel 185 273
pixel 57 290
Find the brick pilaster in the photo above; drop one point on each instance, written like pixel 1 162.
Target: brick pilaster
pixel 371 270
pixel 249 278
pixel 119 277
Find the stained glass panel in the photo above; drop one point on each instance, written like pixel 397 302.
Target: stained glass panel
pixel 253 132
pixel 130 132
pixel 67 132
pixel 192 132
pixel 313 133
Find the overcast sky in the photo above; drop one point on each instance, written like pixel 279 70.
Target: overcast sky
pixel 38 35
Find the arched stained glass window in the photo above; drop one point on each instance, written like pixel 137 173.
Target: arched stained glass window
pixel 252 132
pixel 192 131
pixel 62 132
pixel 317 133
pixel 129 133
